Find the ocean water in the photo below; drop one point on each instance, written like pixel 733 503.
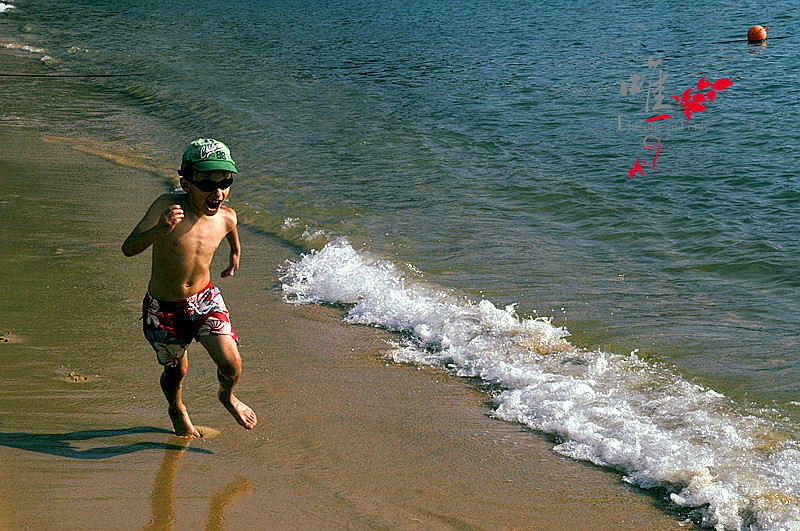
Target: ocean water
pixel 459 173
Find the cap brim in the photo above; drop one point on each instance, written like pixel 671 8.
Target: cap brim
pixel 211 165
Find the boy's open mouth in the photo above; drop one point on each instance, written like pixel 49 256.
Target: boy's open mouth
pixel 213 205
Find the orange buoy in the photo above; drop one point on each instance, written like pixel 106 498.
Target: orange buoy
pixel 757 33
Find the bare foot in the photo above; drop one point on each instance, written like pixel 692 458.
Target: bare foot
pixel 245 416
pixel 182 424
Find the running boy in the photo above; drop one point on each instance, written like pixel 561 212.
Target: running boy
pixel 181 304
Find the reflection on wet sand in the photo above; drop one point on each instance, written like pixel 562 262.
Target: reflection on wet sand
pixel 162 499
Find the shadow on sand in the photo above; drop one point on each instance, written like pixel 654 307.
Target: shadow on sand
pixel 60 444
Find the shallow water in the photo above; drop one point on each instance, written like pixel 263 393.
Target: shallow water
pixel 481 152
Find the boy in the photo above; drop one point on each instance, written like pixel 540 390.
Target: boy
pixel 181 304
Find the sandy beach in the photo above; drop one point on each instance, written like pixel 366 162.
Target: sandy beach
pixel 346 439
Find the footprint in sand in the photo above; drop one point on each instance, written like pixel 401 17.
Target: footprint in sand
pixel 73 377
pixel 8 337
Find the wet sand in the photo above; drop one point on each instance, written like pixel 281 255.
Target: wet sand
pixel 346 439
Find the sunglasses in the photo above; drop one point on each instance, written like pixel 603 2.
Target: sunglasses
pixel 208 185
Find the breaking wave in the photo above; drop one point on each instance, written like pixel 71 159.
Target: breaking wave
pixel 732 469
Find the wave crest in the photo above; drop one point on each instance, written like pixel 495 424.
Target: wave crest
pixel 735 470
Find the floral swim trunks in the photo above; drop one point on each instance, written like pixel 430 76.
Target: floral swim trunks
pixel 170 326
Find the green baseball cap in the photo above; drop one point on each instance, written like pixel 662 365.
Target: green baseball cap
pixel 207 154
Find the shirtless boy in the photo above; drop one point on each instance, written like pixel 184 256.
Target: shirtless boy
pixel 181 304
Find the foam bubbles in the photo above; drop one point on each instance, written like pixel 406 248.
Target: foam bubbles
pixel 25 47
pixel 735 470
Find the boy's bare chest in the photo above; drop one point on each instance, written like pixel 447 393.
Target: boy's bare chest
pixel 199 239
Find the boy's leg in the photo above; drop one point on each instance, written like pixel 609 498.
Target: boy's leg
pixel 171 382
pixel 225 353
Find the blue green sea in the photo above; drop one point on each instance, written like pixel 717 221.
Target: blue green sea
pixel 458 173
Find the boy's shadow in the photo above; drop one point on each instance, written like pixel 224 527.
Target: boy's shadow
pixel 163 495
pixel 60 443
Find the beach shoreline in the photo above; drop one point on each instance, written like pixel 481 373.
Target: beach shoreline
pixel 345 438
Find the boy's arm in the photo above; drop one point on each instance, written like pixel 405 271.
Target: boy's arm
pixel 236 250
pixel 159 220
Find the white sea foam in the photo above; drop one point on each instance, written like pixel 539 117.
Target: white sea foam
pixel 25 47
pixel 737 470
pixel 4 7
